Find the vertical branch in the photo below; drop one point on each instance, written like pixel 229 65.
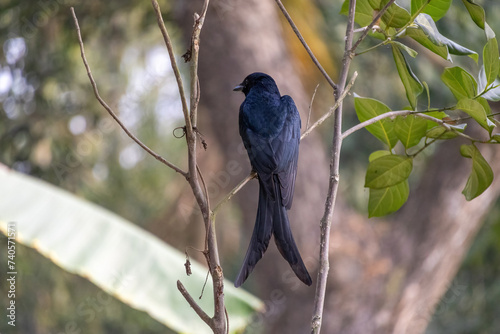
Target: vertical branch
pixel 218 322
pixel 326 220
pixel 173 63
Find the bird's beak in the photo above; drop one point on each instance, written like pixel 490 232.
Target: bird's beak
pixel 238 88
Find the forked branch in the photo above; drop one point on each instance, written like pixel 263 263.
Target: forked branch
pixel 110 111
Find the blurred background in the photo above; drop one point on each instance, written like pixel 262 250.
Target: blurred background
pixel 406 273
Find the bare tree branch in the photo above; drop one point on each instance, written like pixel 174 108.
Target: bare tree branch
pixel 173 63
pixel 310 107
pixel 302 40
pixel 219 322
pixel 205 317
pixel 110 111
pixel 338 101
pixel 326 220
pixel 233 192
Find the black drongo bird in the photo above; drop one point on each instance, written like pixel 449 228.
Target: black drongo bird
pixel 270 129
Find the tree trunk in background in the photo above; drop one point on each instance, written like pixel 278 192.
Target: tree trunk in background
pixel 385 277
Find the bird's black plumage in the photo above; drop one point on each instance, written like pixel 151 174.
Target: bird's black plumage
pixel 270 129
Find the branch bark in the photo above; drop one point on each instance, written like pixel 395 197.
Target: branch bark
pixel 326 221
pixel 218 323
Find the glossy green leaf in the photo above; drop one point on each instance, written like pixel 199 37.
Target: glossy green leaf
pixel 412 85
pixel 366 109
pixel 493 91
pixel 410 130
pixel 387 200
pixel 435 8
pixel 491 62
pixel 488 31
pixel 481 175
pixel 387 171
pixel 460 82
pixel 476 12
pixel 426 23
pixel 363 14
pixel 485 104
pixel 395 16
pixel 440 132
pixel 122 259
pixel 421 37
pixel 412 53
pixel 435 114
pixel 377 154
pixel 477 112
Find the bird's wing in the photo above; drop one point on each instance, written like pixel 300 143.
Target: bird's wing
pixel 274 152
pixel 286 150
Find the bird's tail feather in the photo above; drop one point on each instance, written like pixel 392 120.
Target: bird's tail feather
pixel 285 242
pixel 262 232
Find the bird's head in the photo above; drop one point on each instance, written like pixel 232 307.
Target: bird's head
pixel 257 79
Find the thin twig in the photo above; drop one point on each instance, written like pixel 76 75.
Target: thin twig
pixel 370 26
pixel 333 108
pixel 173 63
pixel 302 40
pixel 195 51
pixel 205 317
pixel 392 114
pixel 375 119
pixel 310 107
pixel 233 192
pixel 110 111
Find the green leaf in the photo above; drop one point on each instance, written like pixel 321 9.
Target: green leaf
pixel 476 12
pixel 491 62
pixel 366 109
pixel 122 259
pixel 395 16
pixel 363 14
pixel 421 37
pixel 410 130
pixel 435 114
pixel 411 83
pixel 435 8
pixel 387 171
pixel 485 104
pixel 412 53
pixel 377 154
pixel 439 132
pixel 477 112
pixel 496 137
pixel 387 200
pixel 460 82
pixel 426 23
pixel 488 31
pixel 493 93
pixel 481 175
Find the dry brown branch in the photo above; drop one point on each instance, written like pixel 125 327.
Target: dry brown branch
pixel 110 111
pixel 302 40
